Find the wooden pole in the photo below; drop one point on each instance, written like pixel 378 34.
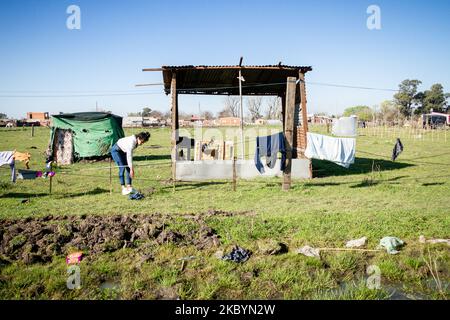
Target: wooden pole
pixel 51 178
pixel 289 130
pixel 110 176
pixel 304 118
pixel 234 173
pixel 174 113
pixel 32 130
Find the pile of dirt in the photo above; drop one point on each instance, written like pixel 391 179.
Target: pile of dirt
pixel 34 240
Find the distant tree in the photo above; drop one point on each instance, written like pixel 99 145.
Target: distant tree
pixel 146 112
pixel 435 99
pixel 134 114
pixel 364 113
pixel 255 107
pixel 156 114
pixel 3 116
pixel 407 95
pixel 389 111
pixel 273 110
pixel 232 105
pixel 207 115
pixel 224 113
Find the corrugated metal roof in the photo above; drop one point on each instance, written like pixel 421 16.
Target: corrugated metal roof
pixel 222 80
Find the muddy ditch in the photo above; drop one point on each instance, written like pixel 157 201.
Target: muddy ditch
pixel 37 240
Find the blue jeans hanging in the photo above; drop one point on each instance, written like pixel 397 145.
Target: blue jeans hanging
pixel 120 158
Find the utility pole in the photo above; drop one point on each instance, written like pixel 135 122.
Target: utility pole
pixel 242 110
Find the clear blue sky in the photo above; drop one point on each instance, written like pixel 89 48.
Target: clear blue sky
pixel 119 38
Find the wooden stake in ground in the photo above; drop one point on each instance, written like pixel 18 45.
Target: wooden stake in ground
pixel 110 176
pixel 234 173
pixel 32 130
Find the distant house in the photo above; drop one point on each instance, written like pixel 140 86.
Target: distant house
pixel 133 122
pixel 37 119
pixel 151 122
pixel 260 122
pixel 319 119
pixel 229 121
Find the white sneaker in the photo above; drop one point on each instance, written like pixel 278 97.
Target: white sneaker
pixel 126 191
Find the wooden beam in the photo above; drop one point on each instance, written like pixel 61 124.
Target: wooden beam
pixel 153 69
pixel 289 130
pixel 304 117
pixel 174 114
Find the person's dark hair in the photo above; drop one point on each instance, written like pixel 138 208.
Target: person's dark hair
pixel 143 136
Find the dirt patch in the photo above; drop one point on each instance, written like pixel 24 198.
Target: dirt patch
pixel 34 240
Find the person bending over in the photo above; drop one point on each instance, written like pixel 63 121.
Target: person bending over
pixel 122 153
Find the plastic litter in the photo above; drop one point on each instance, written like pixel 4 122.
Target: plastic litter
pixel 309 251
pixel 433 241
pixel 238 255
pixel 356 243
pixel 391 244
pixel 75 257
pixel 136 196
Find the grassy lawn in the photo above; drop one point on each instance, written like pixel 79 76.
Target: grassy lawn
pixel 375 197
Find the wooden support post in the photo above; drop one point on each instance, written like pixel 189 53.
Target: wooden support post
pixel 303 102
pixel 234 173
pixel 174 113
pixel 110 176
pixel 51 179
pixel 289 130
pixel 32 130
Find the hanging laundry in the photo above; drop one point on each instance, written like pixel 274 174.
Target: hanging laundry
pixel 269 147
pixel 338 150
pixel 238 254
pixel 345 126
pixel 7 157
pixel 398 148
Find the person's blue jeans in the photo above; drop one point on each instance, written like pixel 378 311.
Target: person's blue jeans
pixel 120 158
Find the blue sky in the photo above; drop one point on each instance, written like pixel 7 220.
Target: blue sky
pixel 118 38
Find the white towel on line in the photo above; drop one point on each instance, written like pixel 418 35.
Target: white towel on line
pixel 338 150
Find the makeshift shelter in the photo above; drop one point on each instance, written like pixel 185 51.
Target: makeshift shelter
pixel 83 135
pixel 286 82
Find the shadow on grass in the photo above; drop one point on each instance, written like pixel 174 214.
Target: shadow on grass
pixel 22 195
pixel 322 168
pixel 194 185
pixel 152 157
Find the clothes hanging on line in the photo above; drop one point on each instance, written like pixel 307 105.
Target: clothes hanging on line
pixel 7 157
pixel 338 150
pixel 269 146
pixel 398 148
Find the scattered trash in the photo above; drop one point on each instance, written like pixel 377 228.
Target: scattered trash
pixel 433 241
pixel 391 244
pixel 136 196
pixel 271 247
pixel 356 243
pixel 238 254
pixel 74 257
pixel 309 252
pixel 398 148
pixel 187 258
pixel 219 254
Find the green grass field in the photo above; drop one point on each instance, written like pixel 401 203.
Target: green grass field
pixel 375 197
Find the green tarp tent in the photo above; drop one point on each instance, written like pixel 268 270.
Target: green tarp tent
pixel 83 135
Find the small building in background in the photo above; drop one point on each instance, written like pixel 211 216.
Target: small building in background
pixel 260 122
pixel 37 119
pixel 133 122
pixel 229 121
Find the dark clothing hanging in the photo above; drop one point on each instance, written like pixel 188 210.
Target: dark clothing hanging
pixel 398 148
pixel 269 147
